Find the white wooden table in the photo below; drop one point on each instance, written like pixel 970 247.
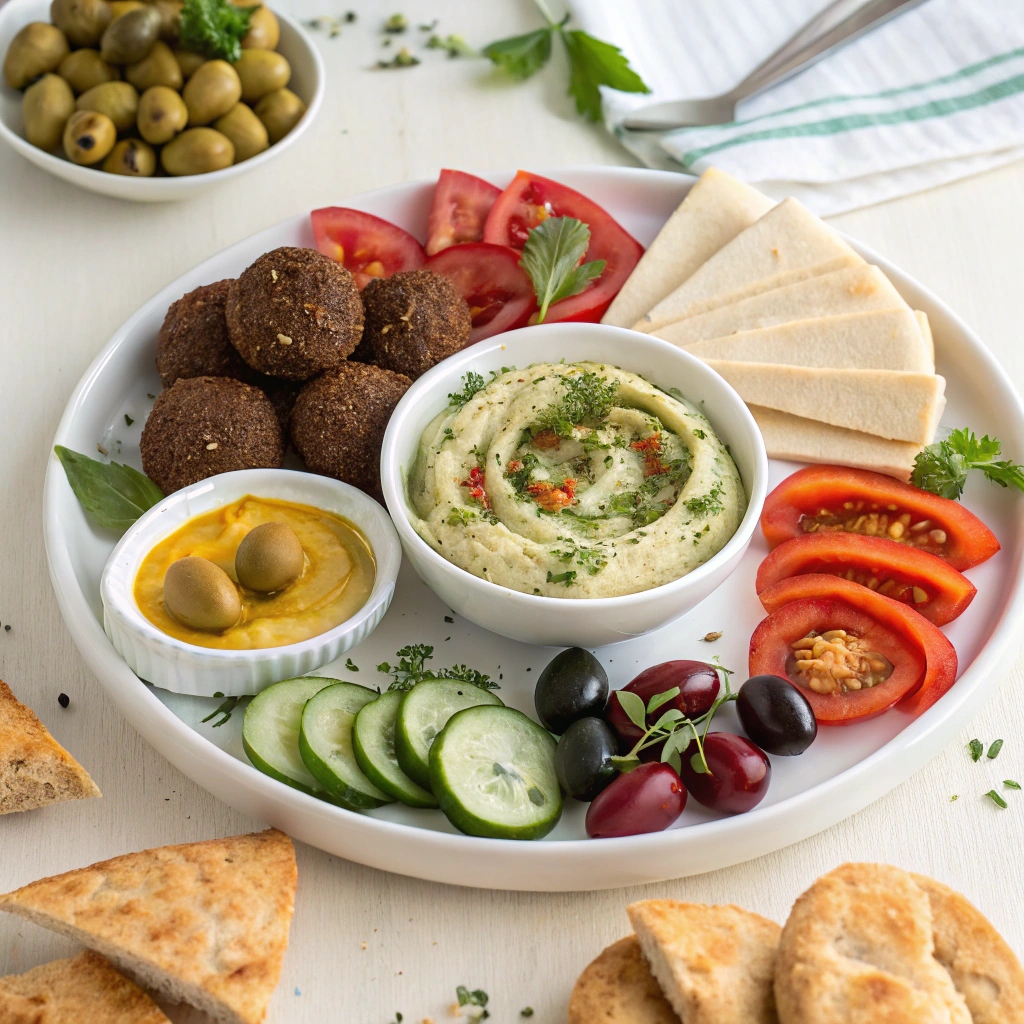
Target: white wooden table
pixel 365 944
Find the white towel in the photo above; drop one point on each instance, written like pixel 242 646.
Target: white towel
pixel 931 96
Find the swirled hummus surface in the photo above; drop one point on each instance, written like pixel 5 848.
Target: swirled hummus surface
pixel 573 480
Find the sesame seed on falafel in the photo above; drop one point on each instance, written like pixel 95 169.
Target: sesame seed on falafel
pixel 414 319
pixel 293 313
pixel 338 422
pixel 201 426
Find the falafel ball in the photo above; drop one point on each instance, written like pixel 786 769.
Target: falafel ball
pixel 193 340
pixel 293 313
pixel 414 319
pixel 201 426
pixel 338 422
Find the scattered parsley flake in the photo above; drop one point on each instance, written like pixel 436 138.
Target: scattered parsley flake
pixel 993 751
pixel 396 24
pixel 402 59
pixel 128 421
pixel 1011 784
pixel 526 1011
pixel 977 748
pixel 954 798
pixel 997 799
pixel 562 577
pixel 351 665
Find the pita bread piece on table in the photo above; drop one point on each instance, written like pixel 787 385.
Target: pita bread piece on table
pixel 618 988
pixel 788 244
pixel 202 923
pixel 35 769
pixel 858 948
pixel 715 964
pixel 713 213
pixel 84 989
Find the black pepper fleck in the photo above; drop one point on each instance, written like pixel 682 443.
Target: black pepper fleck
pixel 448 618
pixel 63 700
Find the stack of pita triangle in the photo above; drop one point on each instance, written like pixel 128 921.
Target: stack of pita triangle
pixel 833 363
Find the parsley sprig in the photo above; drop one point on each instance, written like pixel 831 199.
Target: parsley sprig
pixel 592 62
pixel 942 467
pixel 214 28
pixel 553 257
pixel 412 669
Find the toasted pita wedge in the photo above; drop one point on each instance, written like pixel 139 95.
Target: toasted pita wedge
pixel 714 964
pixel 786 245
pixel 802 440
pixel 618 988
pixel 713 213
pixel 84 989
pixel 862 289
pixel 984 969
pixel 202 923
pixel 35 769
pixel 899 406
pixel 886 340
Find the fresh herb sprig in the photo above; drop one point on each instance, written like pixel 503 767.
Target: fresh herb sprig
pixel 473 382
pixel 942 467
pixel 214 28
pixel 476 1000
pixel 587 396
pixel 592 62
pixel 412 669
pixel 113 495
pixel 553 255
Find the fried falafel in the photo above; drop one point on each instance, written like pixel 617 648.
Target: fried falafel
pixel 338 422
pixel 201 426
pixel 414 319
pixel 293 313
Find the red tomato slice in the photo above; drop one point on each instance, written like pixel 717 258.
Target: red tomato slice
pixel 835 499
pixel 939 655
pixel 499 292
pixel 921 580
pixel 461 204
pixel 531 199
pixel 366 245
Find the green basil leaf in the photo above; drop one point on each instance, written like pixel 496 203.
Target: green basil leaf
pixel 661 698
pixel 634 708
pixel 521 56
pixel 592 63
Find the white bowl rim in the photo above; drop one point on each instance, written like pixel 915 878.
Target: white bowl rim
pixel 154 187
pixel 393 480
pixel 128 613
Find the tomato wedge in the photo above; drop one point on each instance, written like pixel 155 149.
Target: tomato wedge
pixel 366 245
pixel 835 499
pixel 530 199
pixel 499 292
pixel 939 655
pixel 461 204
pixel 919 579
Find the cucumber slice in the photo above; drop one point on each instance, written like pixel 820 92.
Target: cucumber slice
pixel 270 732
pixel 373 739
pixel 424 712
pixel 325 745
pixel 493 772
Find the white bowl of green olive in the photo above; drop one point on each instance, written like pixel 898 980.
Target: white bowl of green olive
pixel 153 100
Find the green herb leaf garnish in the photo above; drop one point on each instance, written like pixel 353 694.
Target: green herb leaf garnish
pixel 993 751
pixel 521 56
pixel 561 577
pixel 475 998
pixel 214 28
pixel 977 748
pixel 1010 784
pixel 552 257
pixel 113 495
pixel 997 799
pixel 942 467
pixel 634 707
pixel 412 669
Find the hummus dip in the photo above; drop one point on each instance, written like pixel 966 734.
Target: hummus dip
pixel 573 480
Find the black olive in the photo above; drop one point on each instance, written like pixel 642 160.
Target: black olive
pixel 776 715
pixel 572 686
pixel 583 758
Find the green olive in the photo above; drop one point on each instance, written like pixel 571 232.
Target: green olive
pixel 211 92
pixel 261 71
pixel 45 108
pixel 118 100
pixel 264 31
pixel 158 67
pixel 119 8
pixel 245 130
pixel 88 136
pixel 35 50
pixel 197 151
pixel 129 38
pixel 82 21
pixel 199 594
pixel 162 114
pixel 188 62
pixel 170 18
pixel 269 558
pixel 82 69
pixel 132 157
pixel 280 112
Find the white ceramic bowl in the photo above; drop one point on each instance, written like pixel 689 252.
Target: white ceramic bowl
pixel 307 82
pixel 558 621
pixel 202 671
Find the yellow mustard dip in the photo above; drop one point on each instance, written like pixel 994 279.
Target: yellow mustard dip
pixel 336 579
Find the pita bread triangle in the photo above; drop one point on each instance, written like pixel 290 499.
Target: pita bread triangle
pixel 84 989
pixel 786 245
pixel 713 213
pixel 202 923
pixel 35 769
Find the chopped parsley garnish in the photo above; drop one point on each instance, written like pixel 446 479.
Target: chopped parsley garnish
pixel 591 559
pixel 942 467
pixel 476 998
pixel 458 516
pixel 709 504
pixel 351 665
pixel 587 397
pixel 472 383
pixel 562 577
pixel 993 751
pixel 1011 784
pixel 997 799
pixel 412 669
pixel 449 434
pixel 977 748
pixel 128 421
pixel 518 471
pixel 697 432
pixel 214 28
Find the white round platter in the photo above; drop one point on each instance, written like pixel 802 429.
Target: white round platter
pixel 846 768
